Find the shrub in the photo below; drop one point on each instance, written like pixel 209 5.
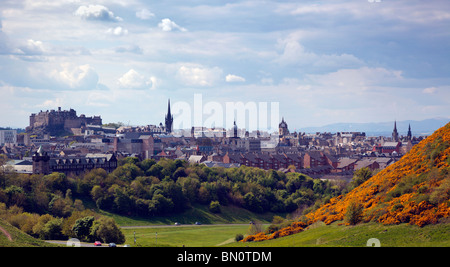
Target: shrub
pixel 214 207
pixel 239 237
pixel 353 214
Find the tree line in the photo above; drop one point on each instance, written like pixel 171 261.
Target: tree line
pixel 149 188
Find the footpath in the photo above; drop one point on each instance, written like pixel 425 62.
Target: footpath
pixel 6 233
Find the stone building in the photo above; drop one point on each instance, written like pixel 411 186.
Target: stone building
pixel 59 122
pixel 44 164
pixel 8 137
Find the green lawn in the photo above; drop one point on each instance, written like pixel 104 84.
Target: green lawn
pixel 189 236
pixel 402 235
pixel 318 234
pixel 198 213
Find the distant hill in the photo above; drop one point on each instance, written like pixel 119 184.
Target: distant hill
pixel 424 127
pixel 414 190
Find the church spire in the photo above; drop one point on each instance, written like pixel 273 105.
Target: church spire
pixel 409 133
pixel 169 119
pixel 168 109
pixel 395 132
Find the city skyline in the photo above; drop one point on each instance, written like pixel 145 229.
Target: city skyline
pixel 341 61
pixel 57 119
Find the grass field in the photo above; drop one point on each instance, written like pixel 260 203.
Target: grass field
pixel 402 235
pixel 189 236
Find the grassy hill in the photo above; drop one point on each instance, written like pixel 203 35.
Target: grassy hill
pixel 19 238
pixel 198 213
pixel 414 190
pixel 322 235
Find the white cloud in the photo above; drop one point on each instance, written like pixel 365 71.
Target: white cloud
pixel 430 90
pixel 134 80
pixel 412 12
pixel 167 25
pixel 234 78
pixel 73 76
pixel 117 31
pixel 33 47
pixel 144 14
pixel 50 104
pixel 199 76
pixel 99 99
pixel 96 12
pixel 294 53
pixel 31 51
pixel 357 80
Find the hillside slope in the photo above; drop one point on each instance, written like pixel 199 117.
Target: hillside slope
pixel 414 190
pixel 18 238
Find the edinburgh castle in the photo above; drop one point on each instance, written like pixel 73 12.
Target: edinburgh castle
pixel 60 122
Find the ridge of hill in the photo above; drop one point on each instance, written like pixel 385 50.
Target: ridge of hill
pixel 414 190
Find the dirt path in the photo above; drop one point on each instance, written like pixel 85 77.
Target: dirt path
pixel 6 233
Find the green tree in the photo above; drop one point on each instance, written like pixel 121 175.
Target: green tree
pixel 56 182
pixel 146 164
pixel 82 227
pixel 123 202
pixel 155 170
pixel 15 195
pixel 96 192
pixel 108 231
pixel 252 202
pixel 214 207
pixel 52 230
pixel 160 205
pixel 295 181
pixel 38 228
pixel 128 172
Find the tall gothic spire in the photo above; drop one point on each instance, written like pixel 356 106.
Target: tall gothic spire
pixel 395 132
pixel 168 109
pixel 409 133
pixel 169 119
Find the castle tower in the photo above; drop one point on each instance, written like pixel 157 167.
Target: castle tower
pixel 169 120
pixel 41 162
pixel 395 133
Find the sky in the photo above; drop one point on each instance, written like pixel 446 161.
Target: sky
pixel 322 61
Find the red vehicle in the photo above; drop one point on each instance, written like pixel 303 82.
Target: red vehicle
pixel 97 243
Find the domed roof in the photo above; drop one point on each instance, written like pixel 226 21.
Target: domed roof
pixel 282 124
